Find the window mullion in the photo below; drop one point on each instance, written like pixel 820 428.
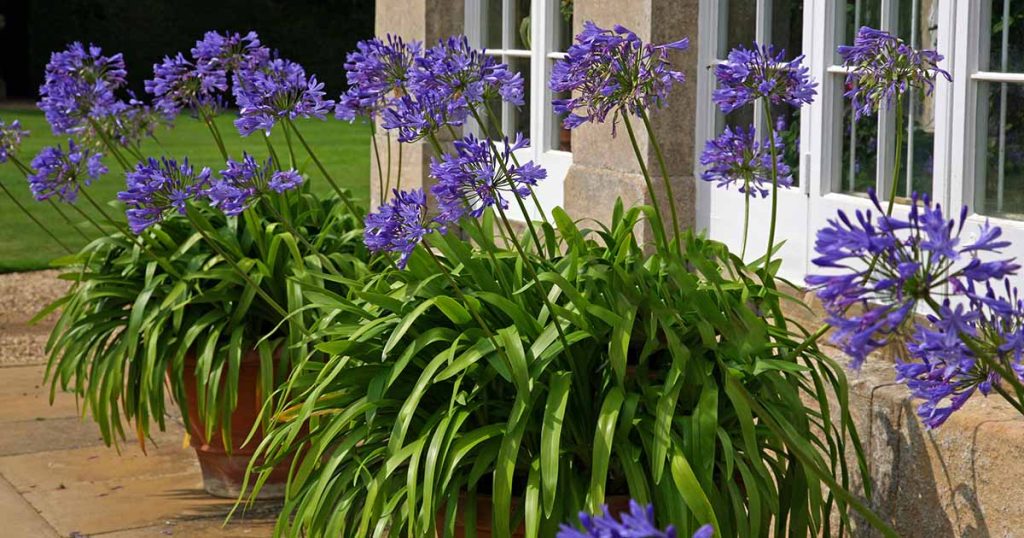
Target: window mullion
pixel 541 42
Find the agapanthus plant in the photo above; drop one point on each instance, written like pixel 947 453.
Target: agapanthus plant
pixel 882 67
pixel 278 90
pixel 737 159
pixel 80 84
pixel 177 84
pixel 157 188
pixel 217 54
pixel 243 182
pixel 376 73
pixel 10 139
pixel 459 72
pixel 473 178
pixel 61 174
pixel 613 71
pixel 399 225
pixel 886 266
pixel 761 73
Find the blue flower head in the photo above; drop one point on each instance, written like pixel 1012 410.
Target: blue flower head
pixel 473 178
pixel 399 225
pixel 377 71
pixel 884 267
pixel 245 181
pixel 613 71
pixel 60 174
pixel 736 158
pixel 158 188
pixel 277 90
pixel 10 139
pixel 761 73
pixel 79 84
pixel 883 67
pixel 638 522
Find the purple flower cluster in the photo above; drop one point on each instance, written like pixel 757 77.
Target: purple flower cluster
pixel 61 174
pixel 217 55
pixel 885 267
pixel 280 89
pixel 761 73
pixel 201 83
pixel 376 72
pixel 473 178
pixel 243 182
pixel 612 71
pixel 637 523
pixel 177 85
pixel 883 67
pixel 10 139
pixel 736 158
pixel 79 84
pixel 419 92
pixel 399 225
pixel 159 187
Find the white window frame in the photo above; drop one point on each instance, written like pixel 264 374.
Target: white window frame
pixel 544 18
pixel 807 208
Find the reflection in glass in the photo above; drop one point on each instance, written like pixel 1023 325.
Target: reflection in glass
pixel 564 33
pixel 738 22
pixel 561 138
pixel 788 26
pixel 858 167
pixel 1000 154
pixel 520 115
pixel 787 126
pixel 521 22
pixel 492 34
pixel 1006 50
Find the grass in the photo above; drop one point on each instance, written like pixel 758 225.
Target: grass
pixel 343 148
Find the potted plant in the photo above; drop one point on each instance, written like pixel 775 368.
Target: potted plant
pixel 196 293
pixel 554 368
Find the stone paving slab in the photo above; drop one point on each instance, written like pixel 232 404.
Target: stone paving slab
pixel 18 517
pixel 25 396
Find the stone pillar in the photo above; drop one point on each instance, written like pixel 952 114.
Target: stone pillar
pixel 605 168
pixel 413 20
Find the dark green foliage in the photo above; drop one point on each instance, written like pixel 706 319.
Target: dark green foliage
pixel 676 390
pixel 128 321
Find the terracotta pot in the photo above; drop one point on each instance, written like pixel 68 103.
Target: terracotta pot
pixel 616 504
pixel 223 472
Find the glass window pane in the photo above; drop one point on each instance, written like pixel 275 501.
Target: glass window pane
pixel 521 24
pixel 1006 51
pixel 918 152
pixel 859 155
pixel 1000 155
pixel 520 115
pixel 491 31
pixel 563 28
pixel 858 13
pixel 737 24
pixel 787 125
pixel 788 26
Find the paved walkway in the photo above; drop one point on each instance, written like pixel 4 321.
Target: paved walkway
pixel 57 478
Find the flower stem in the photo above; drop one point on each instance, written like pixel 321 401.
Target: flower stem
pixel 215 131
pixel 746 219
pixel 899 151
pixel 665 177
pixel 775 183
pixel 382 195
pixel 650 186
pixel 398 183
pixel 67 219
pixel 110 145
pixel 291 148
pixel 34 219
pixel 342 194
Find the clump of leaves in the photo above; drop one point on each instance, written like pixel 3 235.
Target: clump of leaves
pixel 676 389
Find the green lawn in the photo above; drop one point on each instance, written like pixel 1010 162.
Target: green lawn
pixel 343 148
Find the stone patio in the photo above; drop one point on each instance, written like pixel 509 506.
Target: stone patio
pixel 57 478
